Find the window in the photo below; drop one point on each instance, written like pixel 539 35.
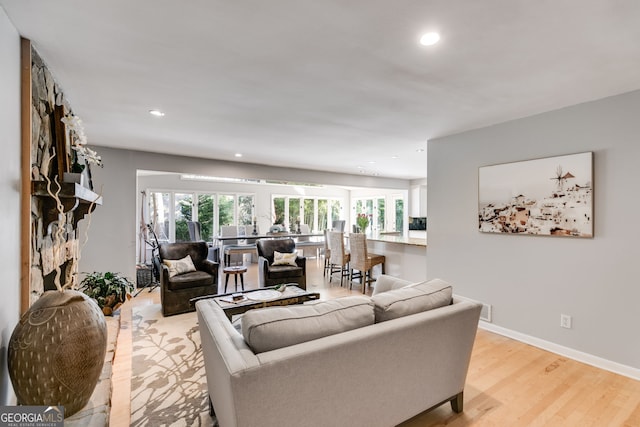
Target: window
pixel 245 210
pixel 183 213
pixel 375 207
pixel 205 216
pixel 399 214
pixel 159 213
pixel 226 204
pixel 317 213
pixel 169 213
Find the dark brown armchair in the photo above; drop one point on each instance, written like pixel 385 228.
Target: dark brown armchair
pixel 176 291
pixel 269 274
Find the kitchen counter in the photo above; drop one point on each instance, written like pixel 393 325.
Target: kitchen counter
pixel 404 240
pixel 406 257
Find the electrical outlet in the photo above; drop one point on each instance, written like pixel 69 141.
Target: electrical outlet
pixel 565 321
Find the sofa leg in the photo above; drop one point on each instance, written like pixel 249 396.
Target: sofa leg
pixel 457 402
pixel 212 412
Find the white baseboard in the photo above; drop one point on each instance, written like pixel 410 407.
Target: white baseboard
pixel 589 359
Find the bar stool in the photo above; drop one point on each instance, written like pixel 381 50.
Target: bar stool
pixel 339 259
pixel 236 270
pixel 362 260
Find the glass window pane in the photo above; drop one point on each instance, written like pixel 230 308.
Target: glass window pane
pixel 278 210
pixel 205 216
pixel 159 210
pixel 322 214
pixel 381 215
pixel 225 209
pixel 336 210
pixel 245 210
pixel 308 212
pixel 183 211
pixel 399 214
pixel 294 214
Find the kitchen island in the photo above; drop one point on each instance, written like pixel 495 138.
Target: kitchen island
pixel 406 257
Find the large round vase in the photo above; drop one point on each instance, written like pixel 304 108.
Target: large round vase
pixel 57 350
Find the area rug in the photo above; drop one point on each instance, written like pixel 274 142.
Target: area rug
pixel 168 383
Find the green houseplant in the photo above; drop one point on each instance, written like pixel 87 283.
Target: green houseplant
pixel 109 290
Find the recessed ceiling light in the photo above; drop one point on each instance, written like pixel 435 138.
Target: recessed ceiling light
pixel 372 162
pixel 156 113
pixel 238 154
pixel 360 167
pixel 420 150
pixel 429 39
pixel 395 157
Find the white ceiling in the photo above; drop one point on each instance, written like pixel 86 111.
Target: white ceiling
pixel 327 85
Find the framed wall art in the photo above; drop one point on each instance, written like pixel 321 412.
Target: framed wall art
pixel 549 197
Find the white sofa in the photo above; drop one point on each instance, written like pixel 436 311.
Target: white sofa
pixel 375 375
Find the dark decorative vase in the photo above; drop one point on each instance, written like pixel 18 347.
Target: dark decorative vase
pixel 57 350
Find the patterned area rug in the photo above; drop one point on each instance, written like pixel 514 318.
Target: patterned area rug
pixel 168 383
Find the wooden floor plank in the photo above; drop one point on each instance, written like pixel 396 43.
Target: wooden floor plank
pixel 509 383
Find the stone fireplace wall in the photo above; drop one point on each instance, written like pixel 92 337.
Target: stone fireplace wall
pixel 49 250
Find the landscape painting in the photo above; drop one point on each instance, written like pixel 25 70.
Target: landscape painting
pixel 549 197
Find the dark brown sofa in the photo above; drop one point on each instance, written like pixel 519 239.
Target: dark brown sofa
pixel 178 290
pixel 271 275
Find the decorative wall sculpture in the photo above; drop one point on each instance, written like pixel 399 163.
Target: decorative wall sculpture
pixel 551 196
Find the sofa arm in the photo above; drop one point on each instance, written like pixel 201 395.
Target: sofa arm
pixel 211 267
pixel 164 275
pixel 386 283
pixel 263 269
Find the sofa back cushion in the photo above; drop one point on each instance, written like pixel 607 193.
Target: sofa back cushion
pixel 411 299
pixel 275 327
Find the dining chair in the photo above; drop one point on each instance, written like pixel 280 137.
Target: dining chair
pixel 339 258
pixel 233 250
pixel 362 260
pixel 195 234
pixel 306 244
pixel 327 254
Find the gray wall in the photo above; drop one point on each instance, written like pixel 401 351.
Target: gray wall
pixel 531 280
pixel 113 229
pixel 9 194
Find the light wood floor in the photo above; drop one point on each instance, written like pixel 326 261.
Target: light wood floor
pixel 509 383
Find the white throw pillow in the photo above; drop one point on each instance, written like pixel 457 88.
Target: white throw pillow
pixel 179 266
pixel 284 258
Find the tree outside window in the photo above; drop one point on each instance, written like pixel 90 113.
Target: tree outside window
pixel 278 210
pixel 183 213
pixel 245 210
pixel 225 209
pixel 322 213
pixel 205 216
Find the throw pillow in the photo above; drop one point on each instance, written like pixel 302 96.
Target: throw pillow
pixel 284 258
pixel 270 328
pixel 179 266
pixel 412 299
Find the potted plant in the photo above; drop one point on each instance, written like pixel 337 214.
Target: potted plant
pixel 108 289
pixel 363 222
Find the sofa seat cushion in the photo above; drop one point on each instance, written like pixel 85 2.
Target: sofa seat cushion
pixel 275 327
pixel 284 271
pixel 411 299
pixel 190 280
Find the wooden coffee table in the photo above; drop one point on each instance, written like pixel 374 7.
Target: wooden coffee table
pixel 263 297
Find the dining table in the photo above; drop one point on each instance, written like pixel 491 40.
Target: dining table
pixel 251 238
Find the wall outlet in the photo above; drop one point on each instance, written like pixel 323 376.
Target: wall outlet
pixel 565 321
